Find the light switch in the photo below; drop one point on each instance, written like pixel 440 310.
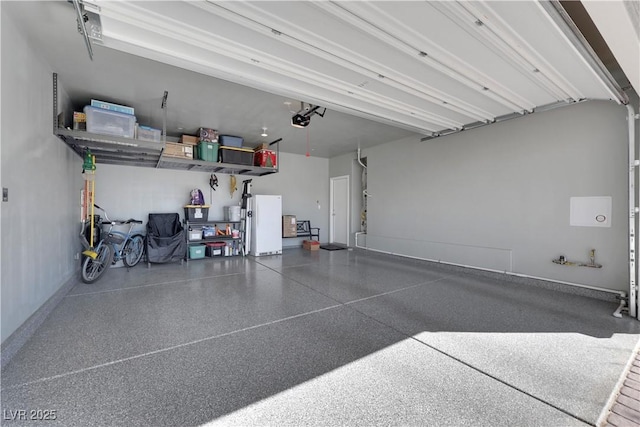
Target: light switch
pixel 5 194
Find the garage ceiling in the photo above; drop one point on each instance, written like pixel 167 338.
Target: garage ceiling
pixel 384 70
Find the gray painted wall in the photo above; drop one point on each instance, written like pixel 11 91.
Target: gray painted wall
pixel 127 191
pixel 303 183
pixel 498 197
pixel 40 222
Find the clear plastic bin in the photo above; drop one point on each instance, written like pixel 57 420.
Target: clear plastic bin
pixel 146 133
pixel 108 122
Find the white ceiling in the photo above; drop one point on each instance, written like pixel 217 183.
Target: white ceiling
pixel 384 70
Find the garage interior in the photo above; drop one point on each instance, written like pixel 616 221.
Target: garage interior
pixel 463 145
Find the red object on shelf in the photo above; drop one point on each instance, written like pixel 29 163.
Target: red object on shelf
pixel 265 158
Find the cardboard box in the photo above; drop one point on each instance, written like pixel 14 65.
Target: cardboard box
pixel 310 245
pixel 189 139
pixel 265 159
pixel 79 121
pixel 289 226
pixel 175 149
pixel 263 146
pixel 208 135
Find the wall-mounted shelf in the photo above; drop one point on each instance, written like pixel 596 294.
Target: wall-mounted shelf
pixel 114 150
pixel 135 152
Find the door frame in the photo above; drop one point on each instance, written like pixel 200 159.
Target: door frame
pixel 331 207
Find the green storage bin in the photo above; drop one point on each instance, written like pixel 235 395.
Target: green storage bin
pixel 208 151
pixel 196 251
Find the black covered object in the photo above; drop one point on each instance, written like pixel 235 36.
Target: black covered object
pixel 166 240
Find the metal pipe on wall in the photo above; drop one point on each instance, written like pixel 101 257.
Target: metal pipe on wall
pixel 633 164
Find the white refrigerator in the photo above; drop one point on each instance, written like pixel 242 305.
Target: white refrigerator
pixel 266 225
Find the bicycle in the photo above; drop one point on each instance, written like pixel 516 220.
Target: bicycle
pixel 115 246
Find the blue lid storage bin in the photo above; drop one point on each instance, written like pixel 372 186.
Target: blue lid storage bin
pixel 231 141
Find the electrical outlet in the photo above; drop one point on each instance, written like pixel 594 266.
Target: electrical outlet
pixel 5 194
pixel 76 256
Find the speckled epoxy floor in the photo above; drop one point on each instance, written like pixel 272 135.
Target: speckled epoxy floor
pixel 317 338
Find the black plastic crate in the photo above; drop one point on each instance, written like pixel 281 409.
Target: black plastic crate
pixel 236 156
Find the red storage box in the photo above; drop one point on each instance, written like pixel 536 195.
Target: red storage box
pixel 215 249
pixel 265 158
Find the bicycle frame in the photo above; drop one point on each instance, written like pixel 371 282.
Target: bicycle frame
pixel 117 239
pixel 114 246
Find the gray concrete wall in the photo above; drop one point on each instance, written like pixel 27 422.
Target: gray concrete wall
pixel 127 191
pixel 498 197
pixel 40 222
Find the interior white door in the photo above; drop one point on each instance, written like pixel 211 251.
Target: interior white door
pixel 339 210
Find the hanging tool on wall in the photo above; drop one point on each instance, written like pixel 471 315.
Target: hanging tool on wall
pixel 89 198
pixel 89 166
pixel 213 182
pixel 232 185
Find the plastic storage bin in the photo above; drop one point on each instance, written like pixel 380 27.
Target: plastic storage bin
pixel 215 249
pixel 236 156
pixel 195 213
pixel 147 133
pixel 113 107
pixel 208 151
pixel 195 233
pixel 108 122
pixel 196 251
pixel 231 141
pixel 208 231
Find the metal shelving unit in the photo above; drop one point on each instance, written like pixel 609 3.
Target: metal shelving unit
pixel 135 152
pixel 234 241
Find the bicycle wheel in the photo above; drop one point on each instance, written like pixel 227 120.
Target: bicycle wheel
pixel 133 250
pixel 92 269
